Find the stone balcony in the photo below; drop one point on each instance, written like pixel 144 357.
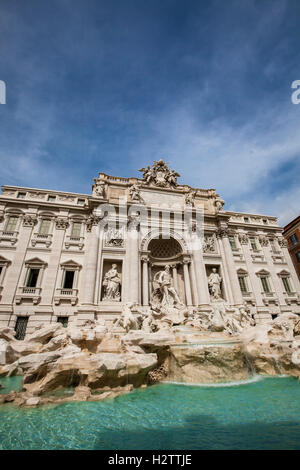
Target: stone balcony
pixel 292 298
pixel 257 257
pixel 28 293
pixel 249 297
pixel 278 259
pixel 10 237
pixel 77 242
pixel 69 295
pixel 42 239
pixel 269 297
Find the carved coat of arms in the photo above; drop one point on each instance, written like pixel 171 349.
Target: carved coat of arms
pixel 160 175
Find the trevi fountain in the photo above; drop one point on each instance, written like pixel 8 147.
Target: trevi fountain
pixel 157 344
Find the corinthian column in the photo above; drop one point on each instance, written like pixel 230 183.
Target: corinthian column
pixel 174 269
pixel 231 268
pixel 131 281
pixel 187 283
pixel 145 281
pixel 93 255
pixel 200 275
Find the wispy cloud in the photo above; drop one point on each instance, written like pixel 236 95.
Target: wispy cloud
pixel 104 87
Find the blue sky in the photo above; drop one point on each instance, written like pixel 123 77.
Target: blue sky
pixel 112 85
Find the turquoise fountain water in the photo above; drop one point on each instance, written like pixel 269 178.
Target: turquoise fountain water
pixel 261 414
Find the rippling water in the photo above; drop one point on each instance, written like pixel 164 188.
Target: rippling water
pixel 262 414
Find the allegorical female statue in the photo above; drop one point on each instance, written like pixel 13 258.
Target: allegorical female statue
pixel 214 284
pixel 112 284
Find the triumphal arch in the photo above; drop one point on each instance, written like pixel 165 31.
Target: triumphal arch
pixel 148 242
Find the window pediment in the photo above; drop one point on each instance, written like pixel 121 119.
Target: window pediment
pixel 4 261
pixel 46 215
pixel 70 264
pixel 35 262
pixel 242 272
pixel 263 272
pixel 284 273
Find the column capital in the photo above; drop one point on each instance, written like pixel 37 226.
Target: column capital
pixel 263 240
pixel 243 238
pixel 222 232
pixel 62 223
pixel 91 221
pixel 29 220
pixel 282 242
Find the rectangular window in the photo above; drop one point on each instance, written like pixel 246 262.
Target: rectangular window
pixel 63 320
pixel 51 198
pixel 21 195
pixel 69 279
pixel 11 224
pixel 287 286
pixel 298 256
pixel 81 202
pixel 246 219
pixel 242 281
pixel 45 227
pixel 76 230
pixel 265 221
pixel 253 244
pixel 265 284
pixel 294 239
pixel 20 328
pixel 32 277
pixel 232 243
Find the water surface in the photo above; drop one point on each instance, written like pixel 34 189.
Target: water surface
pixel 262 414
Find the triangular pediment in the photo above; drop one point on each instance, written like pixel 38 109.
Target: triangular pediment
pixel 263 272
pixel 35 260
pixel 242 271
pixel 284 272
pixel 70 263
pixel 4 260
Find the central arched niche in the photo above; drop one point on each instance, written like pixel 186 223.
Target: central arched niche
pixel 164 248
pixel 164 251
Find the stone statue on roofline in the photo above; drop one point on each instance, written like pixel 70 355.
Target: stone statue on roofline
pixel 160 175
pixel 135 195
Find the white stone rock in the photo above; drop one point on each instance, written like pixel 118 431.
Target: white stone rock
pixel 42 335
pixel 7 333
pixel 33 401
pixel 34 361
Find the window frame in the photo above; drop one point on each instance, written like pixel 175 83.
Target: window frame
pixel 292 238
pixel 9 218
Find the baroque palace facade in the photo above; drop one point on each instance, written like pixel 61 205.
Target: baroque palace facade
pixel 67 256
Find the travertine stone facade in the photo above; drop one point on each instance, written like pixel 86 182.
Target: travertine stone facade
pixel 79 256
